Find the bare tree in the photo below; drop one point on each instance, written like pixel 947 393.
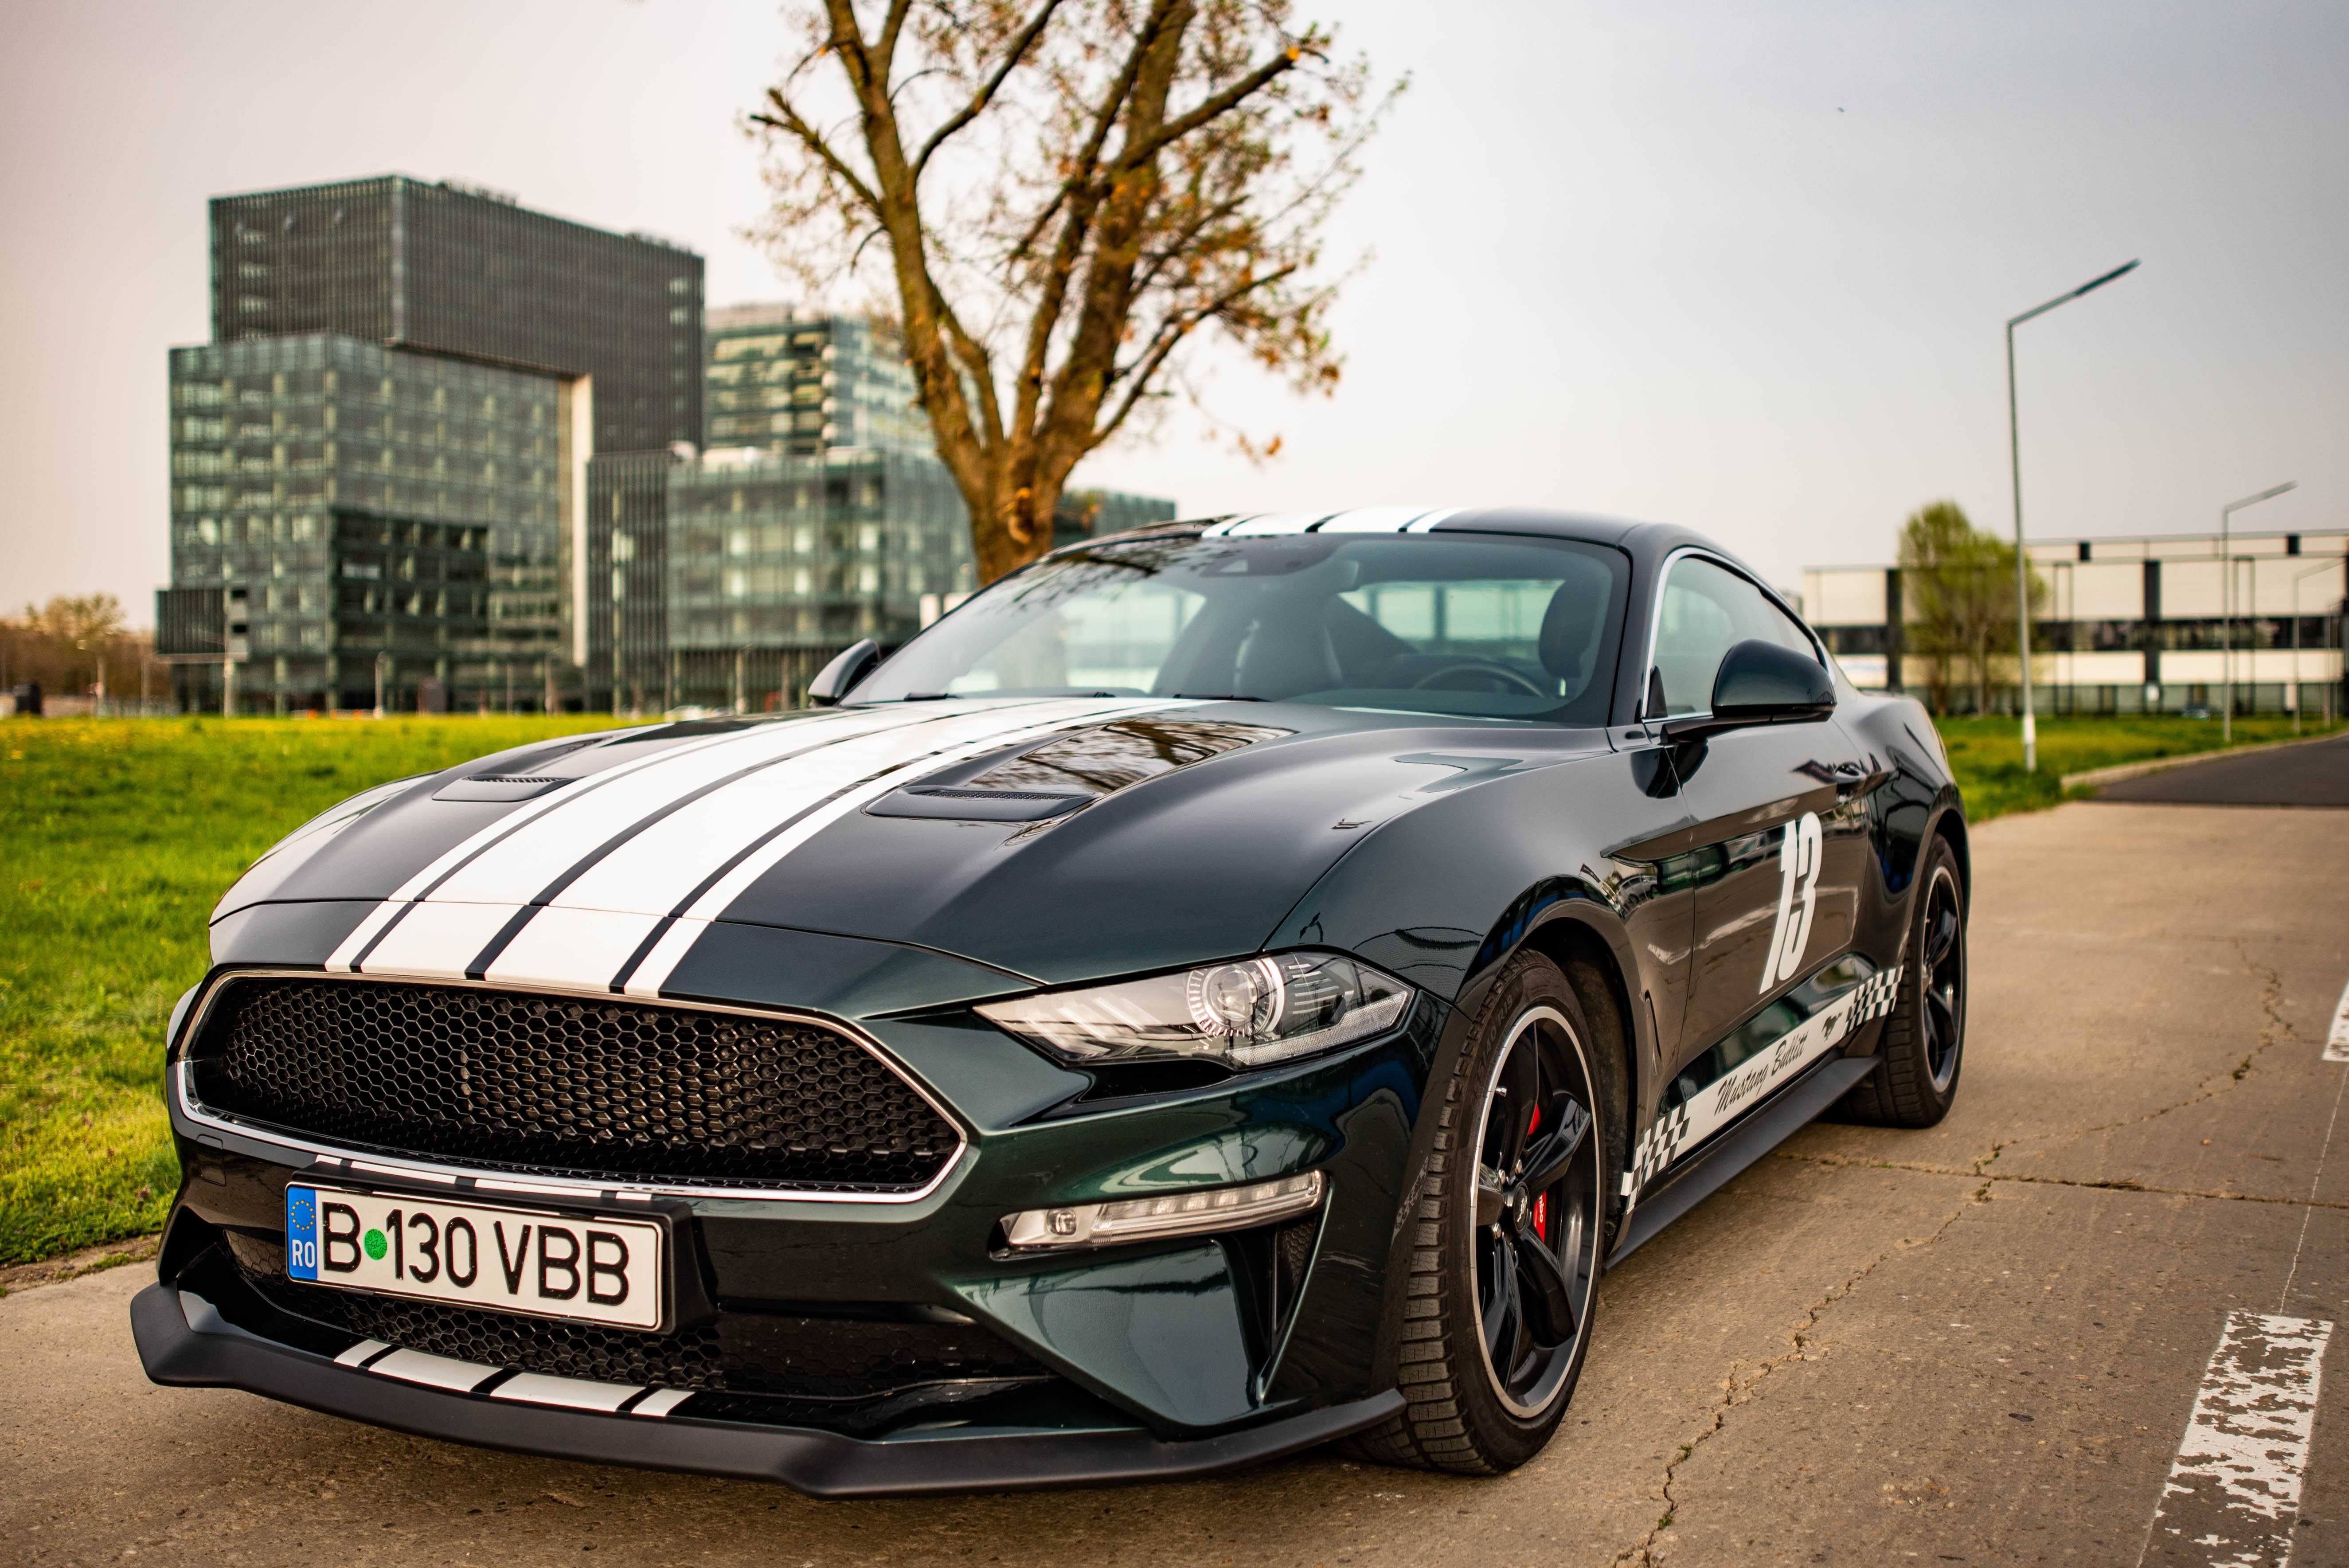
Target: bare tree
pixel 1065 193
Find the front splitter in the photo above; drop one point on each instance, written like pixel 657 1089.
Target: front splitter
pixel 176 1351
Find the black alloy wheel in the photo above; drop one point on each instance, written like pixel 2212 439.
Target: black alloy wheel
pixel 1487 1329
pixel 1536 1212
pixel 1941 977
pixel 1922 1050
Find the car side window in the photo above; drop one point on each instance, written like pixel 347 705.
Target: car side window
pixel 1708 609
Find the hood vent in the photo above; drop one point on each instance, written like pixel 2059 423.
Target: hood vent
pixel 499 788
pixel 1074 770
pixel 976 805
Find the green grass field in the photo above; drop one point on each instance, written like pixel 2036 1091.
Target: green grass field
pixel 1987 754
pixel 116 837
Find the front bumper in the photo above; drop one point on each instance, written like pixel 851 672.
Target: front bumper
pixel 824 1343
pixel 184 1340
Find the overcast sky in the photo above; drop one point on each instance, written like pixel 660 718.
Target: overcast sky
pixel 1740 268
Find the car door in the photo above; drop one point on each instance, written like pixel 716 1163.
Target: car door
pixel 1780 841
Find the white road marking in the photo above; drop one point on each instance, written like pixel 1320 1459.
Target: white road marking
pixel 2233 1494
pixel 2337 1044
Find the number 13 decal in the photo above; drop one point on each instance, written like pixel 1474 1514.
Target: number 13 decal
pixel 1798 891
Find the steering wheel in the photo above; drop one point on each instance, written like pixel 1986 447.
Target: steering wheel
pixel 1484 676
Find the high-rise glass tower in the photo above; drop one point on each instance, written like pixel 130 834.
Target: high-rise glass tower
pixel 382 457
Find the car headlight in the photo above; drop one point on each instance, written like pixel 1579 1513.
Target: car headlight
pixel 1248 1012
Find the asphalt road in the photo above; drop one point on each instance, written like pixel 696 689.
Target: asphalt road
pixel 1977 1343
pixel 2312 774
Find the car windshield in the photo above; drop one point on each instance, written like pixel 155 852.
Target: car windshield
pixel 1467 625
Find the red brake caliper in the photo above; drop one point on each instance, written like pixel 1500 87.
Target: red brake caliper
pixel 1541 1202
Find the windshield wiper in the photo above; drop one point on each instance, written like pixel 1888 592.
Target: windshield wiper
pixel 1214 697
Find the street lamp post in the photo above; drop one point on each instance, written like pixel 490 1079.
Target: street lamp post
pixel 2227 602
pixel 2022 560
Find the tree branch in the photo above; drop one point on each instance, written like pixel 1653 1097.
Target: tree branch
pixel 809 136
pixel 986 94
pixel 1223 103
pixel 1171 332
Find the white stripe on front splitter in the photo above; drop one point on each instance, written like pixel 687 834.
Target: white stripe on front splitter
pixel 352 946
pixel 2337 1044
pixel 660 963
pixel 2233 1492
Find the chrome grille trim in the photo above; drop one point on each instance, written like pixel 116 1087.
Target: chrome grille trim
pixel 481 1178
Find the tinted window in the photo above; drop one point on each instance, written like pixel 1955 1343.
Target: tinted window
pixel 1466 625
pixel 1707 610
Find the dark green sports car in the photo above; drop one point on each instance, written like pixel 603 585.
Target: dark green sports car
pixel 1224 989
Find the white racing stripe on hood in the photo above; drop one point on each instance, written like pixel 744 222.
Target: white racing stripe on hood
pixel 662 866
pixel 648 977
pixel 518 867
pixel 591 930
pixel 347 954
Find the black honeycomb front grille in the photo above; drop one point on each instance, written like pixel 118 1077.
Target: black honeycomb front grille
pixel 567 1085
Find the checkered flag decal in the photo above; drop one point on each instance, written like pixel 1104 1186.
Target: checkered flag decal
pixel 1876 995
pixel 1731 1095
pixel 1657 1148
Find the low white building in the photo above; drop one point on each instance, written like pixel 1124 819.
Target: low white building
pixel 2130 623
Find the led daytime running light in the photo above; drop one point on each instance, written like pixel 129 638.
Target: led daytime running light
pixel 1202 1212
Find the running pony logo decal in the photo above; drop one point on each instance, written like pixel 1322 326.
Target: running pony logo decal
pixel 1798 879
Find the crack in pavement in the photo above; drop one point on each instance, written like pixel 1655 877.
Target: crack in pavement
pixel 1737 1390
pixel 2118 1185
pixel 2274 1032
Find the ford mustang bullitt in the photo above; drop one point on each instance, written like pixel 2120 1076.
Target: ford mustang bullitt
pixel 1226 988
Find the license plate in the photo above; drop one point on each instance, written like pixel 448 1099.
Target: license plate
pixel 598 1270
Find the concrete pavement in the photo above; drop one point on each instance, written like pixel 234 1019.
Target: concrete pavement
pixel 1977 1343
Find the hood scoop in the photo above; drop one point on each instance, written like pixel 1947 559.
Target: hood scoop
pixel 1074 770
pixel 976 805
pixel 499 786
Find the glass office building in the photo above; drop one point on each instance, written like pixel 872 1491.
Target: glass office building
pixel 731 580
pixel 796 383
pixel 366 500
pixel 458 270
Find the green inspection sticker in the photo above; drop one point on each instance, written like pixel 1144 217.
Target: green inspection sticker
pixel 375 1245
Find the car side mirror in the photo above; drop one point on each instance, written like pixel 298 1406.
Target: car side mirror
pixel 832 682
pixel 1761 683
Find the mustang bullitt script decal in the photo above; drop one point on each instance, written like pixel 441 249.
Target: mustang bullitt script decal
pixel 1689 1117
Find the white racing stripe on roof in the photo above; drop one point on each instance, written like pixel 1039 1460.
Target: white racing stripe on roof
pixel 1427 521
pixel 1373 520
pixel 651 975
pixel 1273 523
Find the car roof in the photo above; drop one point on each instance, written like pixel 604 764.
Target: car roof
pixel 1646 543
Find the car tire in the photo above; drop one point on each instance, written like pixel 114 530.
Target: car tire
pixel 1468 1411
pixel 1922 1049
